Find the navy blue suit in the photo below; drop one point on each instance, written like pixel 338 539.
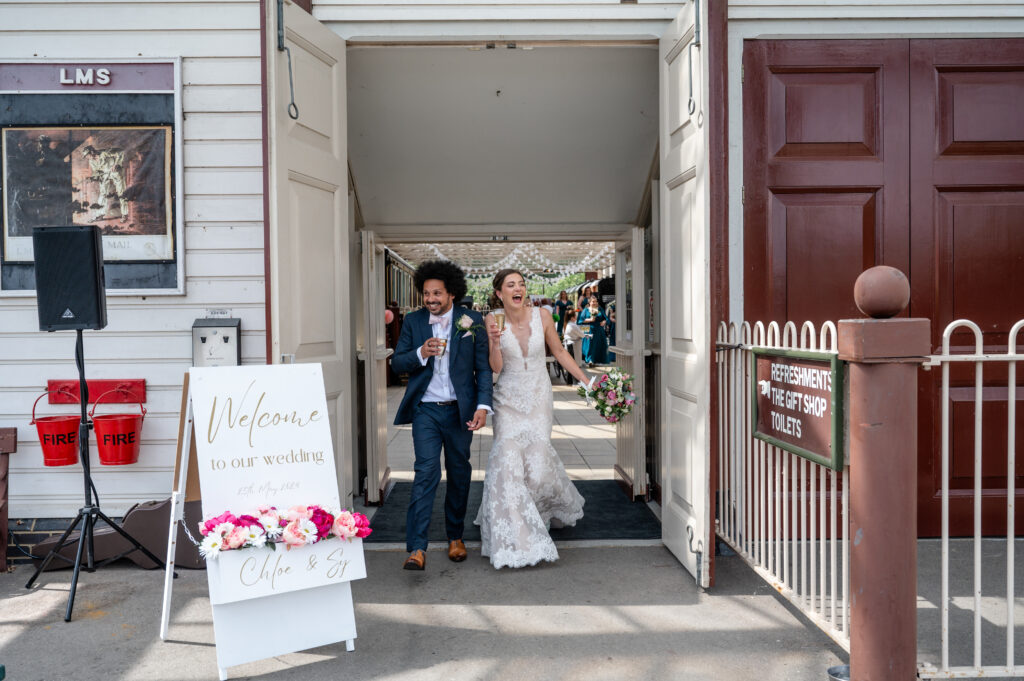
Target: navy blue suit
pixel 436 426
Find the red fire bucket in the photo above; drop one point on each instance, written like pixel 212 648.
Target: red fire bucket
pixel 118 436
pixel 58 436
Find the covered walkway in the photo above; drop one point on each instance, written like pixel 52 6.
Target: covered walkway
pixel 584 441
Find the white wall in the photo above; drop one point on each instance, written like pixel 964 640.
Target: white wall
pixel 369 20
pixel 148 337
pixel 838 19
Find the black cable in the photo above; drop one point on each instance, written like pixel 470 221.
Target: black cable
pixel 22 549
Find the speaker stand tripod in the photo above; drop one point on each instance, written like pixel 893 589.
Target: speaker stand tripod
pixel 90 512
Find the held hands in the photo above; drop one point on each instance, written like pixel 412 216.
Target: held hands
pixel 433 347
pixel 479 420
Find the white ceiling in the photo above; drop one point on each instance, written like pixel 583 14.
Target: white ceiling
pixel 455 135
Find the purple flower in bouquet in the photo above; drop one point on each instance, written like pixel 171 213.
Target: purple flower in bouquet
pixel 323 521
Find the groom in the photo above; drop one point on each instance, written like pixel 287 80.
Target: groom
pixel 447 398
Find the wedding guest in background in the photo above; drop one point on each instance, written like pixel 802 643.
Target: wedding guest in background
pixel 609 312
pixel 573 336
pixel 595 346
pixel 562 305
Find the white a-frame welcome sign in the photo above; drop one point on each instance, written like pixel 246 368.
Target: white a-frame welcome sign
pixel 262 437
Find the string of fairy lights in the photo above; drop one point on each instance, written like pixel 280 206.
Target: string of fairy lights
pixel 534 264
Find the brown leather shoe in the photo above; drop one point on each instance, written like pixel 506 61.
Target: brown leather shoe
pixel 417 560
pixel 456 551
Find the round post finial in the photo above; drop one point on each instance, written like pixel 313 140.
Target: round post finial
pixel 881 292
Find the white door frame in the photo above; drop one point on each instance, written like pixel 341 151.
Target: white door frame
pixel 375 353
pixel 630 350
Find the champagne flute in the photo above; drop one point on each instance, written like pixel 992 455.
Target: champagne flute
pixel 442 344
pixel 499 319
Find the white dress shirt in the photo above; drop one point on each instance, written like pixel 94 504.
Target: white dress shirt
pixel 440 388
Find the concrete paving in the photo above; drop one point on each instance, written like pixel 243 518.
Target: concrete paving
pixel 599 614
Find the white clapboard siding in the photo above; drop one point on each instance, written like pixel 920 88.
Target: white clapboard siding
pixel 219 125
pixel 223 154
pixel 218 236
pixel 221 71
pixel 359 20
pixel 233 98
pixel 148 337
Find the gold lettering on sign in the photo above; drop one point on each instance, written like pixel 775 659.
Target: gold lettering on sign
pixel 250 575
pixel 254 418
pixel 337 562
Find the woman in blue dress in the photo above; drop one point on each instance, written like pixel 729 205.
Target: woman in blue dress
pixel 595 346
pixel 562 305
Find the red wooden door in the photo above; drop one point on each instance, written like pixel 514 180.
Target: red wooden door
pixel 907 153
pixel 967 262
pixel 825 173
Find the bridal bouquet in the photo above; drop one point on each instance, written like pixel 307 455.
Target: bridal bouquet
pixel 612 394
pixel 267 526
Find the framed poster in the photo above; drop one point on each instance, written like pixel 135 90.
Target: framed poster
pixel 93 143
pixel 118 178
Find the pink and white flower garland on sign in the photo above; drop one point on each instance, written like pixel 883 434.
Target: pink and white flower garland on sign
pixel 296 526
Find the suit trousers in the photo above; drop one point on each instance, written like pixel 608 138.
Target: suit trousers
pixel 433 427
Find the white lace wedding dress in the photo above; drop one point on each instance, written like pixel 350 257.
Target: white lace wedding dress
pixel 526 487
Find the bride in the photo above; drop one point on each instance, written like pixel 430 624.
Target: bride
pixel 526 488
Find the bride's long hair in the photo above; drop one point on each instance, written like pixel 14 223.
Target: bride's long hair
pixel 499 280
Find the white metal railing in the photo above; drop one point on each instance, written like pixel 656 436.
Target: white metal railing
pixel 979 359
pixel 784 515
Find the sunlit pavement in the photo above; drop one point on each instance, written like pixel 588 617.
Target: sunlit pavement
pixel 616 613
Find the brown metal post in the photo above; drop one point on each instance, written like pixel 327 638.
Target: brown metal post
pixel 8 445
pixel 883 356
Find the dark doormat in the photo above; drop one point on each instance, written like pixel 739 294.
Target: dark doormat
pixel 607 514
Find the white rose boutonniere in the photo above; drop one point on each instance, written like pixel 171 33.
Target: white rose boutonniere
pixel 465 323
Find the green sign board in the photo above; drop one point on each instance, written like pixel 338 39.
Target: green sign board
pixel 797 400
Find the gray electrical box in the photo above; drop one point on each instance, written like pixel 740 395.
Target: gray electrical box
pixel 216 342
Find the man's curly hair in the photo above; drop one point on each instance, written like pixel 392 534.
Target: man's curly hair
pixel 444 270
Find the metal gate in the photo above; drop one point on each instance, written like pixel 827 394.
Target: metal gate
pixel 784 515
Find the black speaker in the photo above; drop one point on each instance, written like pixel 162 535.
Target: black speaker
pixel 69 277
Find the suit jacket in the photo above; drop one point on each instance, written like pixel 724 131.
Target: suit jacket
pixel 468 364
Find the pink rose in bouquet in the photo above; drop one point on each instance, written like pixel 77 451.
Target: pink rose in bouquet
pixel 323 521
pixel 293 534
pixel 208 526
pixel 297 513
pixel 247 521
pixel 344 526
pixel 236 538
pixel 363 525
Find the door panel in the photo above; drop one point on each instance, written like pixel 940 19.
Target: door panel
pixel 687 522
pixel 917 162
pixel 308 216
pixel 825 173
pixel 967 176
pixel 630 337
pixel 375 354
